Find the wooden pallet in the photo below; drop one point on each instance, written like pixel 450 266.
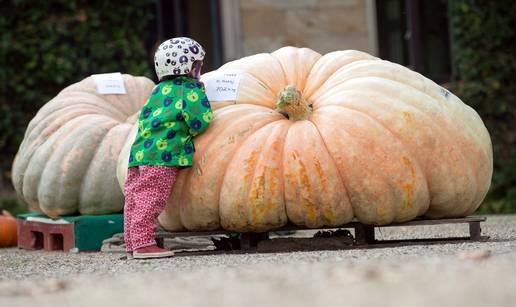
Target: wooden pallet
pixel 364 236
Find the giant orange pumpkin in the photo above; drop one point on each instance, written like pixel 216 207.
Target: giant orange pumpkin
pixel 364 138
pixel 67 159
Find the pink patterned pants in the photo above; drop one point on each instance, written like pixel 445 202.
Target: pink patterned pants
pixel 146 191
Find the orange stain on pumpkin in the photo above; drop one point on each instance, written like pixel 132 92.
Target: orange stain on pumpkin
pixel 329 215
pixel 249 164
pixel 257 188
pixel 256 198
pixel 380 211
pixel 408 163
pixel 276 145
pixel 311 211
pixel 303 175
pixel 320 172
pixel 408 195
pixel 259 211
pixel 261 196
pixel 408 117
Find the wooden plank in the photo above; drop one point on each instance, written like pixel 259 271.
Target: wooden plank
pixel 437 222
pixel 474 231
pixel 354 224
pixel 378 244
pixel 166 234
pixel 402 242
pixel 364 234
pixel 245 241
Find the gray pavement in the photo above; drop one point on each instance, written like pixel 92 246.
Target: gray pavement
pixel 464 274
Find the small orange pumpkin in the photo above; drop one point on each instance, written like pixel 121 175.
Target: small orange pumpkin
pixel 8 235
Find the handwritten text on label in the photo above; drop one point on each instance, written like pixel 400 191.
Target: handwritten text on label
pixel 111 83
pixel 222 86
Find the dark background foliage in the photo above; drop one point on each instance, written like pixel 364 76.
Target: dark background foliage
pixel 47 45
pixel 484 53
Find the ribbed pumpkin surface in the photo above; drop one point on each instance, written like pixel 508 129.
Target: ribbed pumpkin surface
pixel 381 143
pixel 67 160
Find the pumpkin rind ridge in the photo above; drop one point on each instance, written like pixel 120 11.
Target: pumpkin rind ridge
pixel 197 210
pixel 77 110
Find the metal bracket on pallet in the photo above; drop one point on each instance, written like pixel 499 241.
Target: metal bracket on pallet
pixel 364 235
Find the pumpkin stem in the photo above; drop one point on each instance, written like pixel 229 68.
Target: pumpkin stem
pixel 291 101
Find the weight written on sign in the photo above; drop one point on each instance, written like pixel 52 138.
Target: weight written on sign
pixel 222 86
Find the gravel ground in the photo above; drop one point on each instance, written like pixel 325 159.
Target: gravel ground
pixel 465 274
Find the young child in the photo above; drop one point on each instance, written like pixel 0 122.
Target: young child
pixel 176 111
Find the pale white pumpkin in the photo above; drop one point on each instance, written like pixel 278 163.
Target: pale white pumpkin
pixel 66 162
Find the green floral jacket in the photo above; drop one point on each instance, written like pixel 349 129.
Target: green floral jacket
pixel 176 111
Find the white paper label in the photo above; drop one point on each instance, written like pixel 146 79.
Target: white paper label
pixel 222 86
pixel 111 83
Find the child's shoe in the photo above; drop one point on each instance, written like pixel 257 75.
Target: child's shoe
pixel 152 251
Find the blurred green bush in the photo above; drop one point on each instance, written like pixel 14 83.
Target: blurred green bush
pixel 48 45
pixel 484 53
pixel 11 203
